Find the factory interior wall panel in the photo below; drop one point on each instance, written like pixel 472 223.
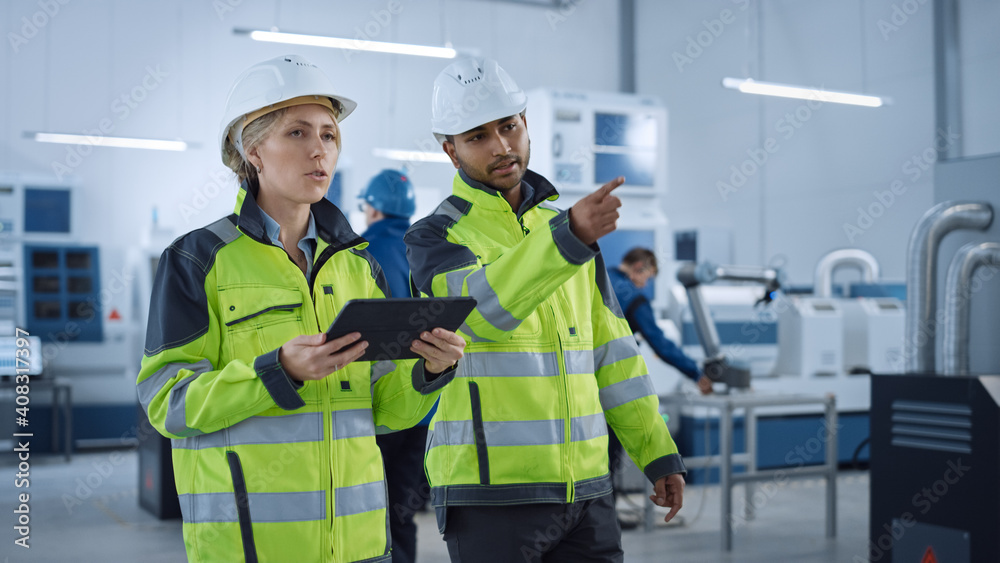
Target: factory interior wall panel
pixel 7 133
pixel 973 179
pixel 980 92
pixel 980 58
pixel 792 228
pixel 837 149
pixel 107 425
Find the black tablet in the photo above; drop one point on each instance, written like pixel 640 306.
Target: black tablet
pixel 390 325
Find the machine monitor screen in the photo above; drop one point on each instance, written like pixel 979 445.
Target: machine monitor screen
pixel 638 168
pixel 632 131
pixel 46 210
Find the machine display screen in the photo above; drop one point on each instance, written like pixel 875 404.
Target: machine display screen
pixel 46 211
pixel 638 169
pixel 626 146
pixel 633 131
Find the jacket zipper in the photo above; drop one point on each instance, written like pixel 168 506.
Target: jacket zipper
pixel 568 420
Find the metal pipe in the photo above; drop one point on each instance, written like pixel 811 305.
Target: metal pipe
pixel 921 268
pixel 827 265
pixel 958 292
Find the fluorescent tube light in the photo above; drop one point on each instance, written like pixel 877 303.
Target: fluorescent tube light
pixel 751 86
pixel 102 141
pixel 353 44
pixel 411 156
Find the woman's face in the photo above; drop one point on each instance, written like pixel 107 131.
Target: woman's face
pixel 299 155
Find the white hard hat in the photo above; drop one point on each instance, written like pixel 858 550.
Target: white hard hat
pixel 269 83
pixel 471 92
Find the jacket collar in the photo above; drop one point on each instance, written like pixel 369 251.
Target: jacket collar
pixel 534 186
pixel 331 225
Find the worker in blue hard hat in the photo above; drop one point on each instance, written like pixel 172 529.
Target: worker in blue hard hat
pixel 388 203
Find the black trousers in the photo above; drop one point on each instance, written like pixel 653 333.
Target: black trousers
pixel 403 455
pixel 583 532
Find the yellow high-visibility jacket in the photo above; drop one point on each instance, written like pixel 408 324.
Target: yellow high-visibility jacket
pixel 267 468
pixel 549 357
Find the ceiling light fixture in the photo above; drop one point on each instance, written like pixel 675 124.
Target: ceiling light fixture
pixel 352 44
pixel 751 86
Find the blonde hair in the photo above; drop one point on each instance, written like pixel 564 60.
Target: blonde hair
pixel 254 134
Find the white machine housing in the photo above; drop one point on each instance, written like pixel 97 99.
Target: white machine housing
pixel 810 337
pixel 873 334
pixel 583 139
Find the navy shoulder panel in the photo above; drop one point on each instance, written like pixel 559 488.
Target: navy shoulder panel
pixel 178 307
pixel 604 285
pixel 377 273
pixel 427 247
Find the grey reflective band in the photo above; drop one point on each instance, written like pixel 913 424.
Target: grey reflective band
pixel 455 280
pixel 510 364
pixel 284 429
pixel 579 361
pixel 176 419
pixel 583 428
pixel 203 508
pixel 354 423
pixel 615 351
pixel 472 334
pixel 633 388
pixel 489 302
pixel 357 499
pixel 449 210
pixel 149 387
pixel 225 230
pixel 380 369
pixel 517 432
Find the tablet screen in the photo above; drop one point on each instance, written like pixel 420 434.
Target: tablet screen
pixel 390 325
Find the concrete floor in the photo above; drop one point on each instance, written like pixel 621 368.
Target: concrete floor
pixel 87 510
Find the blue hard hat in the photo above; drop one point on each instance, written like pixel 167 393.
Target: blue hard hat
pixel 391 192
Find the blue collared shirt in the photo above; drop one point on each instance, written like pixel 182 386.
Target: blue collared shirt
pixel 307 244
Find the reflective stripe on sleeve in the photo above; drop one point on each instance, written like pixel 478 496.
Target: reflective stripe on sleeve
pixel 615 351
pixel 284 429
pixel 618 394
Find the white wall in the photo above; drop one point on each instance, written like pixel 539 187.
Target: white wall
pixel 70 74
pixel 832 159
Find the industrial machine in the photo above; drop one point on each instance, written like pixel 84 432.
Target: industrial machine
pixel 75 297
pixel 584 139
pixel 717 366
pixel 935 437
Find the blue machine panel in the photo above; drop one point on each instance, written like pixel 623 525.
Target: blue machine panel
pixel 62 293
pixel 46 210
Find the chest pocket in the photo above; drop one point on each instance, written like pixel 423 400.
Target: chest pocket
pixel 258 319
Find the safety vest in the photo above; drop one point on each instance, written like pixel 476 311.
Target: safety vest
pixel 269 469
pixel 549 361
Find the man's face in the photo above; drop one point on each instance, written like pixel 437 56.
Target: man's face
pixel 495 153
pixel 640 273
